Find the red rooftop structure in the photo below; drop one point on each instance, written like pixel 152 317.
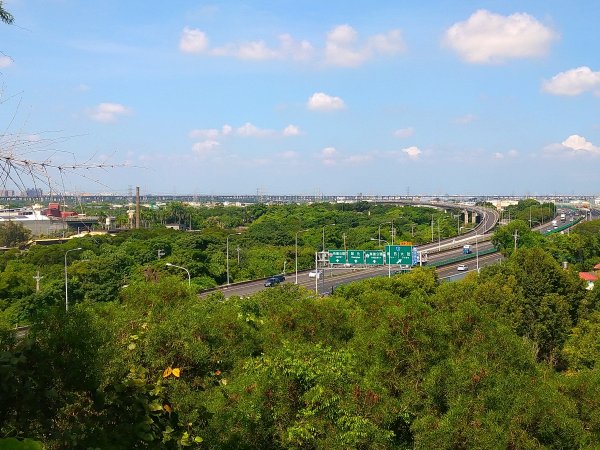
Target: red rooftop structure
pixel 587 276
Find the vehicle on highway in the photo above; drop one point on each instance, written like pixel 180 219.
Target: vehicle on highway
pixel 281 278
pixel 273 281
pixel 315 273
pixel 466 249
pixel 462 267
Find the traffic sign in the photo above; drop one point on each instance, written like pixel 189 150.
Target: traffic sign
pixel 356 256
pixel 399 254
pixel 374 257
pixel 415 256
pixel 337 256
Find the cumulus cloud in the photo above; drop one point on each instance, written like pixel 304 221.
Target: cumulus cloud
pixel 488 38
pixel 508 154
pixel 193 41
pixel 573 82
pixel 205 148
pixel 412 152
pixel 320 101
pixel 249 130
pixel 246 130
pixel 573 146
pixel 358 159
pixel 291 130
pixel 579 144
pixel 404 132
pixel 328 156
pixel 108 112
pixel 343 49
pixel 5 61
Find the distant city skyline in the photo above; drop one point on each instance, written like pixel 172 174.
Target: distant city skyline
pixel 306 97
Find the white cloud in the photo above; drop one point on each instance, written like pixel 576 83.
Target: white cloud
pixel 412 152
pixel 5 61
pixel 320 101
pixel 341 48
pixel 297 50
pixel 193 41
pixel 508 154
pixel 246 130
pixel 209 133
pixel 249 130
pixel 358 159
pixel 404 132
pixel 486 37
pixel 573 146
pixel 573 82
pixel 205 148
pixel 329 156
pixel 580 145
pixel 108 112
pixel 291 130
pixel 256 50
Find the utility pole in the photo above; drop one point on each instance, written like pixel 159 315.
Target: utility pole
pixel 516 236
pixel 137 207
pixel 37 279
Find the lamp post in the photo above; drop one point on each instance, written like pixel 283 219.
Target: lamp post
pixel 476 252
pixel 182 268
pixel 297 233
pixel 227 254
pixel 67 280
pixel 379 232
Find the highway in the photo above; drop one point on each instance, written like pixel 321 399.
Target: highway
pixel 479 239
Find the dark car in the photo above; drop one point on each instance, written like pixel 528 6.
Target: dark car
pixel 273 281
pixel 281 278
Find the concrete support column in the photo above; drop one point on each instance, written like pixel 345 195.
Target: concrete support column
pixel 466 213
pixel 473 217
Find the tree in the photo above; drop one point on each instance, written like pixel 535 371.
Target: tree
pixel 504 237
pixel 5 16
pixel 13 234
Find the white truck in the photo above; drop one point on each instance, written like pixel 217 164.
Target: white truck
pixel 563 217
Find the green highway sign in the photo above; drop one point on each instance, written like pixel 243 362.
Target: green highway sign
pixel 337 256
pixel 374 257
pixel 399 254
pixel 356 256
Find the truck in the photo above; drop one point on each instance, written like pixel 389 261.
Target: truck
pixel 563 217
pixel 466 249
pixel 554 224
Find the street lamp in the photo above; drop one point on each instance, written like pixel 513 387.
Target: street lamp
pixel 379 232
pixel 183 268
pixel 67 280
pixel 476 252
pixel 297 233
pixel 227 257
pixel 386 259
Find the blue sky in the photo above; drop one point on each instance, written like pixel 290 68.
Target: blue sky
pixel 307 97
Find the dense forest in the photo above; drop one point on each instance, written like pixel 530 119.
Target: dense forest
pixel 508 358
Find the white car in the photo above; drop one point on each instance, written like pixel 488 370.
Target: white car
pixel 462 267
pixel 315 273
